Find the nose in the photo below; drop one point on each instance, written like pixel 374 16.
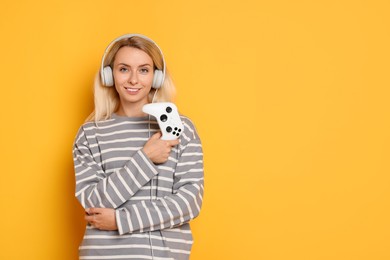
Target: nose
pixel 133 78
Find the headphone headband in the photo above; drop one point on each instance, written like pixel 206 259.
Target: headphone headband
pixel 161 74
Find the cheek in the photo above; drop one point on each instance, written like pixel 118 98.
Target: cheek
pixel 147 80
pixel 119 78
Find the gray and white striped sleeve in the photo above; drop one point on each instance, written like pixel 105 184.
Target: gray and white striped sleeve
pixel 93 189
pixel 173 210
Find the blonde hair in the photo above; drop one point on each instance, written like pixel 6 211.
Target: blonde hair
pixel 107 100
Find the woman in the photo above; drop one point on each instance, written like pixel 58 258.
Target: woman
pixel 139 192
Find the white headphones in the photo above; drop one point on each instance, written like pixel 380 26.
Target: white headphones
pixel 106 72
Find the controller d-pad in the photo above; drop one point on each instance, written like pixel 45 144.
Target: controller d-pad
pixel 163 118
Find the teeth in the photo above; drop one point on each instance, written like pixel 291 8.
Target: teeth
pixel 132 89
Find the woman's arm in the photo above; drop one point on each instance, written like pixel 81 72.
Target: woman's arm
pixel 94 189
pixel 176 209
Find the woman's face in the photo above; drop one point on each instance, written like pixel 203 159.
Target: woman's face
pixel 133 76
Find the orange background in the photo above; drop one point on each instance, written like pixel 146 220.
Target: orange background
pixel 291 100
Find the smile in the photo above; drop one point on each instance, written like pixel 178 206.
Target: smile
pixel 132 90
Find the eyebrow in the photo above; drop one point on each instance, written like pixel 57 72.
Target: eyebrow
pixel 142 65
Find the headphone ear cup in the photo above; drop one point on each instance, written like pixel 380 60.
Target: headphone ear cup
pixel 107 78
pixel 158 79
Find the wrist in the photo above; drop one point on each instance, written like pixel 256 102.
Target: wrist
pixel 146 152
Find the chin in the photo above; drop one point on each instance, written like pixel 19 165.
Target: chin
pixel 134 100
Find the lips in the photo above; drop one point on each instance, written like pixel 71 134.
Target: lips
pixel 132 91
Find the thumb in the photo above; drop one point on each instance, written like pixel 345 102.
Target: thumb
pixel 156 136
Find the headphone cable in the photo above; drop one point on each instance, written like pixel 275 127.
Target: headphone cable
pixel 151 181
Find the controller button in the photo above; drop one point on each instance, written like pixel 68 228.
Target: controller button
pixel 169 129
pixel 177 134
pixel 175 128
pixel 179 130
pixel 168 109
pixel 174 132
pixel 163 118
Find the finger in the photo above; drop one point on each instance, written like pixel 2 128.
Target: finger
pixel 89 218
pixel 94 211
pixel 91 211
pixel 174 142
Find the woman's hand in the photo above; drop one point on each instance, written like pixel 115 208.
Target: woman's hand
pixel 101 218
pixel 158 150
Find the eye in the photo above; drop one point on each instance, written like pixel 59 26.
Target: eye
pixel 123 69
pixel 144 70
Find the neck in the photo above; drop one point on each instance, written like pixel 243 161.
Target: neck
pixel 131 110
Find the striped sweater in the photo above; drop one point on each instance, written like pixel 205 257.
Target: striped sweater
pixel 153 203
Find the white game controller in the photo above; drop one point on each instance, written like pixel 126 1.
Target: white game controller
pixel 167 117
